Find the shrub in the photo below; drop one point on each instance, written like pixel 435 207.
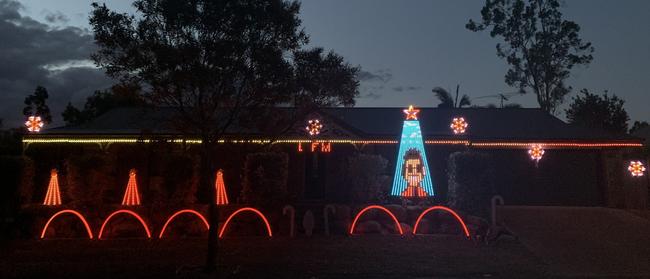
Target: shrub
pixel 366 178
pixel 181 179
pixel 471 182
pixel 89 181
pixel 265 178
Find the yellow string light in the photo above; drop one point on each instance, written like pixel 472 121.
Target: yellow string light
pixel 480 144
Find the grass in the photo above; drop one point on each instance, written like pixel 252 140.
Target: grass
pixel 259 257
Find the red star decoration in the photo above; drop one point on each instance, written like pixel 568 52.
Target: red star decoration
pixel 411 113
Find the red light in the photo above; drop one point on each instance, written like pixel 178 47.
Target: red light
pixel 53 195
pixel 146 228
pixel 266 222
pixel 458 125
pixel 34 124
pixel 190 211
pixel 131 196
pixel 222 196
pixel 314 127
pixel 411 113
pixel 636 168
pixel 354 223
pixel 439 207
pixel 81 217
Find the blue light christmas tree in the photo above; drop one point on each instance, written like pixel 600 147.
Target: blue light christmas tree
pixel 412 176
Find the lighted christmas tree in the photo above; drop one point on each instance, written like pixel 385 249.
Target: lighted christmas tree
pixel 53 195
pixel 412 176
pixel 131 196
pixel 222 196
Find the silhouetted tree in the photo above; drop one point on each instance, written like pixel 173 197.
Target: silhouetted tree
pixel 447 101
pixel 594 111
pixel 511 105
pixel 216 62
pixel 318 79
pixel 638 125
pixel 35 104
pixel 119 95
pixel 540 46
pixel 324 79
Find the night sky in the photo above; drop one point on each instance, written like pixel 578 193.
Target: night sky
pixel 404 47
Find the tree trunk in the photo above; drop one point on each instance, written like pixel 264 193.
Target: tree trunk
pixel 206 175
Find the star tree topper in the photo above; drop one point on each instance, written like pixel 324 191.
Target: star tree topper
pixel 411 113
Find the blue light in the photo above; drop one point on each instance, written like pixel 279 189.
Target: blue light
pixel 411 138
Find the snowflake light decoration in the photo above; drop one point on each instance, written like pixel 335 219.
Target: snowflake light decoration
pixel 458 125
pixel 536 152
pixel 636 168
pixel 34 124
pixel 314 127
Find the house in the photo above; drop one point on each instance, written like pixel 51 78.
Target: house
pixel 578 167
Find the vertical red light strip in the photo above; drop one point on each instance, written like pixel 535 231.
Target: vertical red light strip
pixel 439 207
pixel 222 196
pixel 131 196
pixel 81 217
pixel 53 195
pixel 266 222
pixel 354 223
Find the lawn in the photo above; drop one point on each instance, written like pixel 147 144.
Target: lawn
pixel 370 256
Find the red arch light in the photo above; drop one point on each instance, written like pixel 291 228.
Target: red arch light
pixel 266 222
pixel 354 223
pixel 81 217
pixel 146 228
pixel 207 225
pixel 439 207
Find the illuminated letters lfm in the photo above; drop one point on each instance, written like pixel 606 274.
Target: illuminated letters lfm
pixel 322 147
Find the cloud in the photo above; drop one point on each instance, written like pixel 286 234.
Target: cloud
pixel 56 17
pixel 383 75
pixel 33 53
pixel 406 88
pixel 371 95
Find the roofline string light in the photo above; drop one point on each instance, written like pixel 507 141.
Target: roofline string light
pixel 477 144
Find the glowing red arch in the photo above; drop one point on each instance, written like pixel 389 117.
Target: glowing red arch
pixel 146 228
pixel 81 217
pixel 205 222
pixel 439 207
pixel 354 223
pixel 266 222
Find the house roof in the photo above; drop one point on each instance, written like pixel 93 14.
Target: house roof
pixel 371 123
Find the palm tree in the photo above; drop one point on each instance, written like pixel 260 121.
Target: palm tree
pixel 447 101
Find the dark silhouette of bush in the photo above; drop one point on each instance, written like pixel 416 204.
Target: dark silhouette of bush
pixel 471 182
